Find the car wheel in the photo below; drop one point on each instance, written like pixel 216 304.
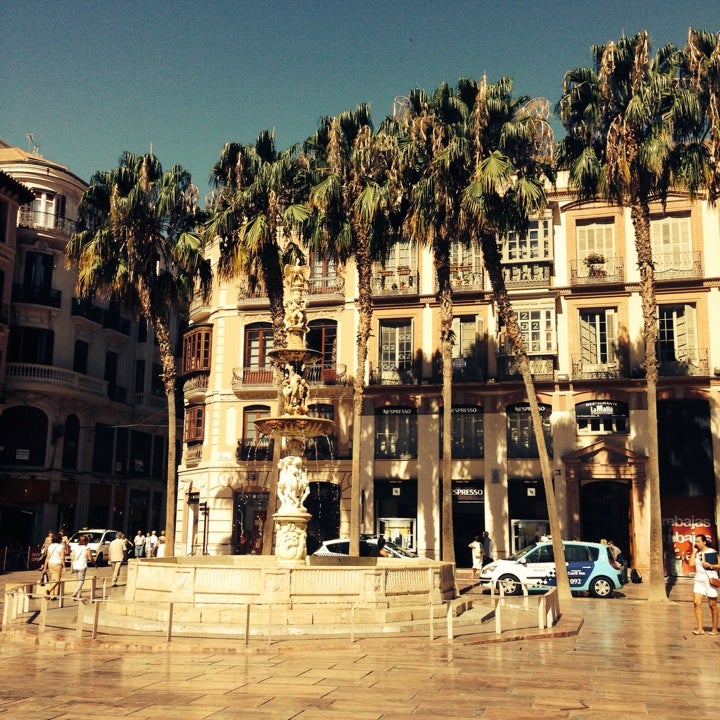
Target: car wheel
pixel 510 584
pixel 99 560
pixel 602 587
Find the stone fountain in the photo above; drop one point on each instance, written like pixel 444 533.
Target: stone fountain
pixel 295 425
pixel 305 594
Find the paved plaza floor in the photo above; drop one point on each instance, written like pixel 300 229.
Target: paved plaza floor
pixel 619 658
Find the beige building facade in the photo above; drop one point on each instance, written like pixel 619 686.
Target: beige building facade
pixel 83 414
pixel 575 287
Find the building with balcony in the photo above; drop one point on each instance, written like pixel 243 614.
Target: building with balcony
pixel 83 414
pixel 574 284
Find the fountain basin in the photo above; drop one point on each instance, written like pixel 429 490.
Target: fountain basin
pixel 296 426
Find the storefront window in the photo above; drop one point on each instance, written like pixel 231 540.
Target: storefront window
pixel 396 433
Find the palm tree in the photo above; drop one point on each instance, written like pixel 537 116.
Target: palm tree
pixel 435 170
pixel 139 246
pixel 259 201
pixel 701 149
pixel 619 117
pixel 510 149
pixel 351 202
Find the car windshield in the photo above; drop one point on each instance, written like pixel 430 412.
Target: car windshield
pixel 92 537
pixel 522 553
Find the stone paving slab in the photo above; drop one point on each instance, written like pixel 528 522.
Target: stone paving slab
pixel 629 659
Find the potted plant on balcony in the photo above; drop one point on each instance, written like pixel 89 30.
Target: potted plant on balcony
pixel 403 270
pixel 594 258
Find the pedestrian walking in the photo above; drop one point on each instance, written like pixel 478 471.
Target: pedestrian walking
pixel 139 544
pixel 79 564
pixel 476 547
pixel 705 560
pixel 54 565
pixel 487 547
pixel 116 551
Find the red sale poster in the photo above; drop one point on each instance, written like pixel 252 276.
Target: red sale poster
pixel 683 519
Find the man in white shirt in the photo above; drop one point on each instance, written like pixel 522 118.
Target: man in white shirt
pixel 116 551
pixel 139 544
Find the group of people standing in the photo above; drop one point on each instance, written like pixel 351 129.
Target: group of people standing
pixel 481 549
pixel 149 545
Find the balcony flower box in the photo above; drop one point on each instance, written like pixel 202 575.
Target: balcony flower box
pixel 594 259
pixel 403 270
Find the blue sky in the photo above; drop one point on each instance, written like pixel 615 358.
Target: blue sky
pixel 91 79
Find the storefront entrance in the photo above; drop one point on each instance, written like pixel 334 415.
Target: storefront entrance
pixel 605 513
pixel 249 513
pixel 468 509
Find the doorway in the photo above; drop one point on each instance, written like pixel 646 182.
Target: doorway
pixel 605 513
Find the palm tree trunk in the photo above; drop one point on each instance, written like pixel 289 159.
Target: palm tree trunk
pixel 640 215
pixel 364 273
pixel 493 265
pixel 167 357
pixel 442 262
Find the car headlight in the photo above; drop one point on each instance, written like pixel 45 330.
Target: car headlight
pixel 488 569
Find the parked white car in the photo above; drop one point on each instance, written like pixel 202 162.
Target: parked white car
pixel 98 542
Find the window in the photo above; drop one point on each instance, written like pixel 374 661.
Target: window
pixel 4 214
pixel 253 445
pixel 520 435
pixel 71 440
pixel 467 432
pixel 597 337
pixel 80 357
pixel 596 239
pixel 401 255
pixel 321 447
pixel 157 386
pixel 142 330
pixel 467 350
pixel 322 336
pixel 671 243
pixel 466 256
pixel 140 453
pixel 396 432
pixel 258 343
pixel 536 245
pixel 38 274
pixel 103 440
pixel 24 432
pixel 396 351
pixel 31 345
pixel 537 327
pixel 601 417
pixel 194 424
pixel 43 209
pixel 196 349
pixel 677 335
pixel 323 274
pixel 139 376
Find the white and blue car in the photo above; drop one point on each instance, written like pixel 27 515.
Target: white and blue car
pixel 591 568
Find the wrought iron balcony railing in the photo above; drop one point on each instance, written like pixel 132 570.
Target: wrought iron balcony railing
pixel 254 376
pixel 693 362
pixel 596 269
pixel 584 370
pixel 395 281
pixel 669 266
pixel 37 295
pixel 29 218
pixel 527 274
pixel 542 367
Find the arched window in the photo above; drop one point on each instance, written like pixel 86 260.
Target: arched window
pixel 24 433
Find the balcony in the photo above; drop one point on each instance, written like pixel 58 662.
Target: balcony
pixel 37 295
pixel 597 269
pixel 256 448
pixel 195 384
pixel 465 369
pixel 393 375
pixel 397 281
pixel 326 285
pixel 326 374
pixel 29 218
pixel 113 321
pixel 30 376
pixel 193 454
pixel 253 376
pixel 526 275
pixel 583 370
pixel 695 362
pixel 87 310
pixel 671 266
pixel 146 399
pixel 542 367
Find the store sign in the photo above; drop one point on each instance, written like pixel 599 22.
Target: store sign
pixel 524 409
pixel 467 410
pixel 193 497
pixel 602 408
pixel 685 518
pixel 468 492
pixel 396 411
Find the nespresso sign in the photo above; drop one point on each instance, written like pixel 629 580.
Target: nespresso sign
pixel 468 492
pixel 524 409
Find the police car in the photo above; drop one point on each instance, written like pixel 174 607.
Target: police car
pixel 590 566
